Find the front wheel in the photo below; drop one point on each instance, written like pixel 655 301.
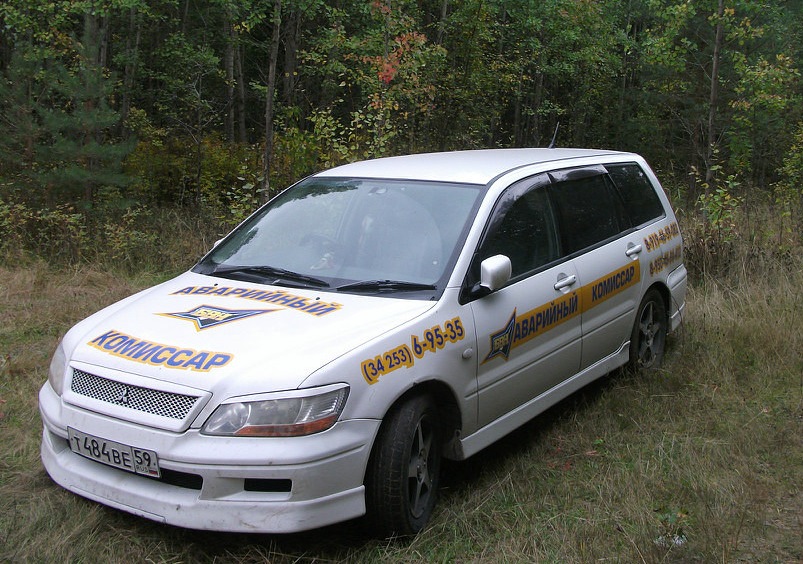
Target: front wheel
pixel 648 339
pixel 401 484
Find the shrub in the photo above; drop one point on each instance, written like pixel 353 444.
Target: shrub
pixel 53 234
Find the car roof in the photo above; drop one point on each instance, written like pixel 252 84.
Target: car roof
pixel 474 167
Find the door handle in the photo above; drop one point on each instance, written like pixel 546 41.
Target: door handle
pixel 565 281
pixel 632 249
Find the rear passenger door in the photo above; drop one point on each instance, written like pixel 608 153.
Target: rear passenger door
pixel 597 235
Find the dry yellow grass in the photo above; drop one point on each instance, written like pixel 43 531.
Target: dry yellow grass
pixel 701 461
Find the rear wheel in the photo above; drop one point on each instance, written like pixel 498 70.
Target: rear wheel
pixel 648 339
pixel 402 479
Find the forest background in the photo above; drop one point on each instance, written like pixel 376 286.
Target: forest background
pixel 123 118
pixel 134 133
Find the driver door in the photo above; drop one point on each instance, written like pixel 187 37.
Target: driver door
pixel 528 333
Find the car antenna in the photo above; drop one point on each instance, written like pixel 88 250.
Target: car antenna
pixel 554 137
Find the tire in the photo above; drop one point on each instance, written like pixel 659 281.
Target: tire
pixel 401 484
pixel 648 339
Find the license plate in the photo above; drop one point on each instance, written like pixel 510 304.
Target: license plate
pixel 137 460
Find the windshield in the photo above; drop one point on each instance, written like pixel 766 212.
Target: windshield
pixel 351 235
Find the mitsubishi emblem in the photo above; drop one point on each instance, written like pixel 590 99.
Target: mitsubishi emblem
pixel 124 397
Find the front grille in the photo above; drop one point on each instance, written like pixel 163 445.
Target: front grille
pixel 155 402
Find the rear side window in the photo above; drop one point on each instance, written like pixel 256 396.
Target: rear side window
pixel 587 210
pixel 640 200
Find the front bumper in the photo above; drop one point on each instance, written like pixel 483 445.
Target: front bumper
pixel 237 484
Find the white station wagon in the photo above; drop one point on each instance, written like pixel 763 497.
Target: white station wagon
pixel 323 358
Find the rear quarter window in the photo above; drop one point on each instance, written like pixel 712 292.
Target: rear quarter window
pixel 638 194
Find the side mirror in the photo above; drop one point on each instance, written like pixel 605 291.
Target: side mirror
pixel 495 272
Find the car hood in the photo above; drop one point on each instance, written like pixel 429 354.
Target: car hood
pixel 233 337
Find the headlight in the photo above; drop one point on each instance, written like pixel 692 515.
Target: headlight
pixel 303 412
pixel 58 366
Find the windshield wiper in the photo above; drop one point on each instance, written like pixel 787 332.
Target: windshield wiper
pixel 395 285
pixel 273 273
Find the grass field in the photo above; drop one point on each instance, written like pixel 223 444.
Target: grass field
pixel 700 462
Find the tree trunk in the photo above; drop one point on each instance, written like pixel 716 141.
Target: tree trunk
pixel 129 70
pixel 442 22
pixel 624 85
pixel 242 135
pixel 291 56
pixel 274 55
pixel 228 65
pixel 537 98
pixel 95 48
pixel 713 99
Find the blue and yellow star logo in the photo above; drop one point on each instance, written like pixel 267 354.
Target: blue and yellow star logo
pixel 206 316
pixel 502 341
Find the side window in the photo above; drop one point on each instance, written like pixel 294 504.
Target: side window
pixel 587 210
pixel 640 200
pixel 522 228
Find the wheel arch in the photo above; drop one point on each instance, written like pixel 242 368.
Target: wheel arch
pixel 383 503
pixel 648 341
pixel 450 420
pixel 666 295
